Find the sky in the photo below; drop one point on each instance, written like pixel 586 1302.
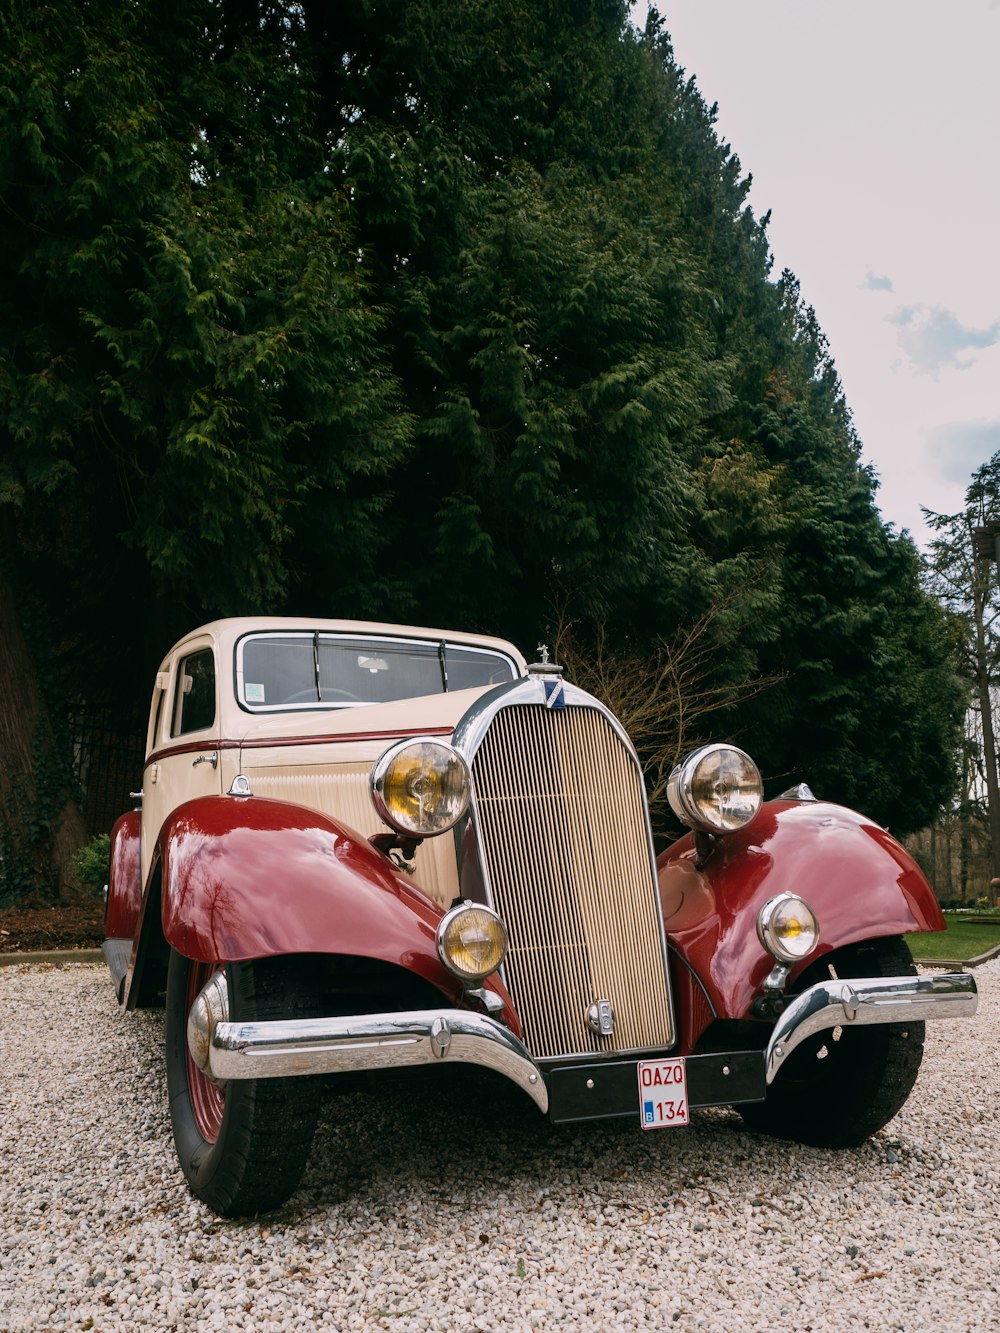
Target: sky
pixel 871 129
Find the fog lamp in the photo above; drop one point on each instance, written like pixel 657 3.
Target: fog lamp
pixel 421 787
pixel 471 942
pixel 787 928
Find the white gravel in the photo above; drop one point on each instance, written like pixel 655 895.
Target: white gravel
pixel 468 1211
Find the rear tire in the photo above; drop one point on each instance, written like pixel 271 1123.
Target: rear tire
pixel 242 1146
pixel 842 1085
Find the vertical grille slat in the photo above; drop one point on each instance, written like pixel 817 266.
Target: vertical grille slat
pixel 562 826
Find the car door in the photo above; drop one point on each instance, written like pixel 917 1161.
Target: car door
pixel 183 754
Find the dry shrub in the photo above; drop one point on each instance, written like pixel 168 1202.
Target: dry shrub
pixel 663 699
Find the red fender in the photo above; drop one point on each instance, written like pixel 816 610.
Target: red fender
pixel 253 878
pixel 124 879
pixel 857 879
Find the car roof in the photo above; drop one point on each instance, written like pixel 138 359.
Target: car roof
pixel 225 632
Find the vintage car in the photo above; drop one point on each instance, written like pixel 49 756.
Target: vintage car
pixel 365 847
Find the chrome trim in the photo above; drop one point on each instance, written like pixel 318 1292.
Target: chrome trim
pixel 776 978
pixel 766 934
pixel 866 1001
pixel 380 768
pixel 288 1047
pixel 461 909
pixel 601 1018
pixel 472 727
pixel 474 872
pixel 800 792
pixel 210 1008
pixel 681 784
pixel 488 998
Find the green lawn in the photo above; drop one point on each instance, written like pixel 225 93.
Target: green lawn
pixel 963 939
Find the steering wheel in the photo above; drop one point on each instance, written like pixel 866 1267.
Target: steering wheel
pixel 309 696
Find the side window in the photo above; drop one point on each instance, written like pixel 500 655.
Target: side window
pixel 194 693
pixel 154 720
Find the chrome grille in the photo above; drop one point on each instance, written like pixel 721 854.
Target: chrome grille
pixel 563 831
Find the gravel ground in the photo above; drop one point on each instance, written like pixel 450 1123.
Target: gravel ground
pixel 468 1211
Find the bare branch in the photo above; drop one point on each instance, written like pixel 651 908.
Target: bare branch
pixel 665 698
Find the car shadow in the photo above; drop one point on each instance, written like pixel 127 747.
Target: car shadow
pixel 461 1130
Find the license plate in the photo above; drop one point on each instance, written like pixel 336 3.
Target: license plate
pixel 663 1096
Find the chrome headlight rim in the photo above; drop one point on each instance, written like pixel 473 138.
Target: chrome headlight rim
pixel 381 774
pixel 468 976
pixel 770 937
pixel 696 815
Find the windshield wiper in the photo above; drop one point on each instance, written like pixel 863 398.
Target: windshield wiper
pixel 319 695
pixel 443 662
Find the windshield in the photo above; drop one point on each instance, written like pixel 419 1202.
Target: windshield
pixel 309 670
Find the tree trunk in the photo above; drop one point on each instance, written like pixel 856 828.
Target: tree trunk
pixel 965 830
pixel 40 822
pixel 982 671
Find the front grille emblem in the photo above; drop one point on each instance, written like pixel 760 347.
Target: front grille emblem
pixel 601 1018
pixel 555 695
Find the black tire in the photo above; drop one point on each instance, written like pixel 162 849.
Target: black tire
pixel 842 1085
pixel 242 1146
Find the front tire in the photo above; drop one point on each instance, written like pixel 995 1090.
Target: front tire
pixel 842 1085
pixel 242 1146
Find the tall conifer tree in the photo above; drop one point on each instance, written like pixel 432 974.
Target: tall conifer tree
pixel 434 309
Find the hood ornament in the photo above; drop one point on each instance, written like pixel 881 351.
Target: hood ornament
pixel 543 667
pixel 555 695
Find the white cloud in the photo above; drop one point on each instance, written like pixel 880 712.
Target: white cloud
pixel 876 283
pixel 958 448
pixel 933 338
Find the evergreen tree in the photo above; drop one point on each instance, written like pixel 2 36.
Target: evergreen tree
pixel 431 309
pixel 186 350
pixel 188 359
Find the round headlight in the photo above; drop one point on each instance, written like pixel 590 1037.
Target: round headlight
pixel 421 787
pixel 716 789
pixel 787 928
pixel 471 941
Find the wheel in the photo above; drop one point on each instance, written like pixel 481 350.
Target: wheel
pixel 243 1145
pixel 842 1085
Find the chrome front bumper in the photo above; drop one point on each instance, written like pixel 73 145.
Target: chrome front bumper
pixel 373 1041
pixel 864 1001
pixel 283 1048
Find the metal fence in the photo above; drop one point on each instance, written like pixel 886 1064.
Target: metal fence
pixel 108 751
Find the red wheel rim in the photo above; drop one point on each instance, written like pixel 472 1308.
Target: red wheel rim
pixel 208 1099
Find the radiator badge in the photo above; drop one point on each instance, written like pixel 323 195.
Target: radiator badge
pixel 554 694
pixel 601 1018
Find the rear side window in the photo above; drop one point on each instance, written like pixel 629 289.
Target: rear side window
pixel 194 697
